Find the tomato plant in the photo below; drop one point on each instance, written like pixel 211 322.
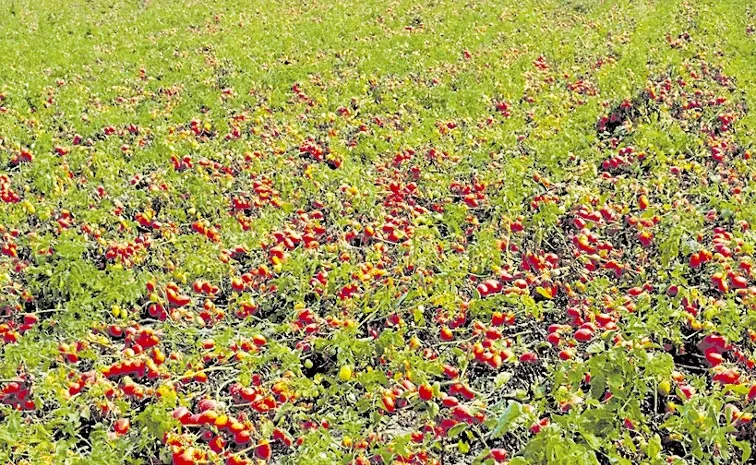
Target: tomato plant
pixel 377 233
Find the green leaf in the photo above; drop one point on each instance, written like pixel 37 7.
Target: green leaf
pixel 417 316
pixel 502 378
pixel 463 447
pixel 746 448
pixel 596 347
pixel 507 419
pixel 598 385
pixel 654 447
pixel 455 430
pixel 628 442
pixel 518 461
pixel 592 440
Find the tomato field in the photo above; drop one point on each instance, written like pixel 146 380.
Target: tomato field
pixel 320 232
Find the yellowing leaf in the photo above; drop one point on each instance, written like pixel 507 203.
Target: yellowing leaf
pixel 545 293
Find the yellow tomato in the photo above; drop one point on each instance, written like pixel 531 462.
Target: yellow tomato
pixel 345 373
